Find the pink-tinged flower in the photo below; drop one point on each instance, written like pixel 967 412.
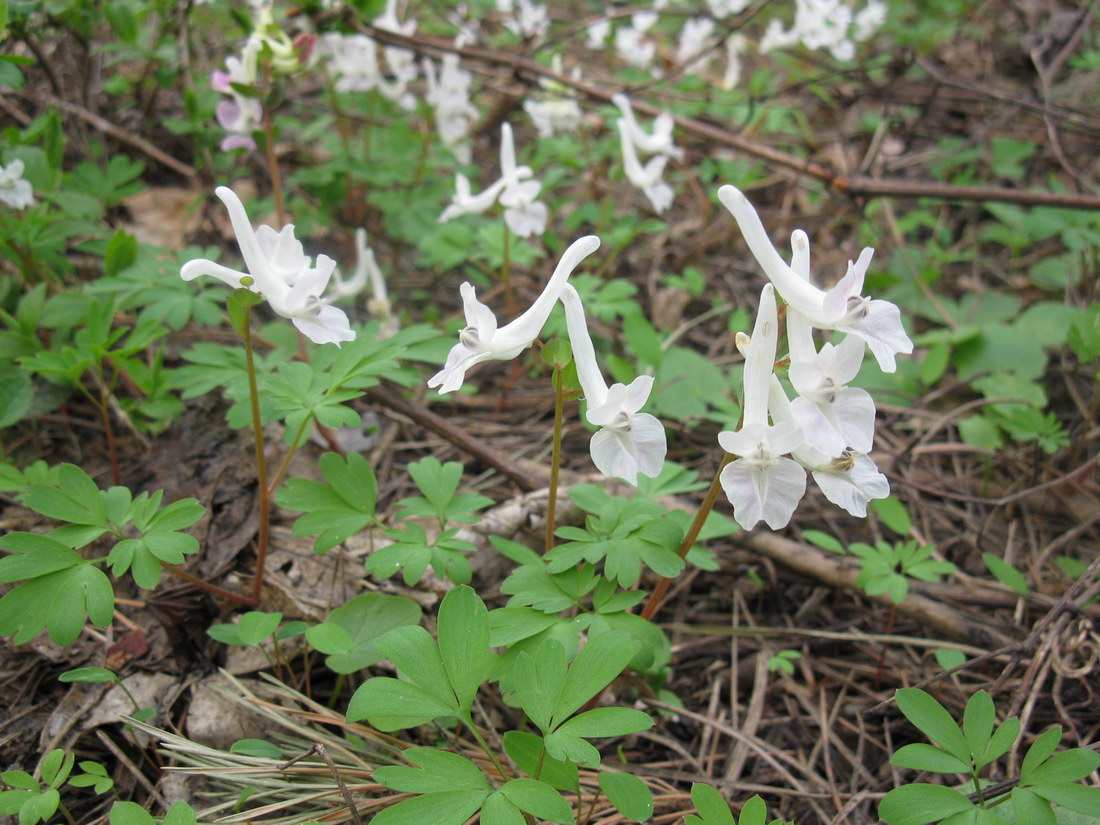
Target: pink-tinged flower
pixel 240 115
pixel 841 308
pixel 481 340
pixel 280 271
pixel 628 442
pixel 761 483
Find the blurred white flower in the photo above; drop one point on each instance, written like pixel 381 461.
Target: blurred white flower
pixel 628 442
pixel 724 8
pixel 870 19
pixel 735 45
pixel 280 271
pixel 525 18
pixel 598 30
pixel 14 191
pixel 656 142
pixel 481 340
pixel 400 62
pixel 240 115
pixel 449 96
pixel 524 215
pixel 695 42
pixel 842 307
pixel 648 177
pixel 632 45
pixel 553 114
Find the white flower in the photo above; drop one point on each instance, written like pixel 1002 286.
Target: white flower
pixel 481 340
pixel 524 215
pixel 850 480
pixel 554 114
pixel 449 96
pixel 279 271
pixel 648 177
pixel 841 308
pixel 598 30
pixel 724 8
pixel 628 442
pixel 657 142
pixel 14 191
pixel 695 44
pixel 760 483
pixel 735 45
pixel 528 20
pixel 466 203
pixel 629 42
pixel 241 115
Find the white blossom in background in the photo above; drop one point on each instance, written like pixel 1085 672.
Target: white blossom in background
pixel 597 33
pixel 481 339
pixel 280 271
pixel 695 41
pixel 659 140
pixel 465 202
pixel 724 8
pixel 761 483
pixel 523 212
pixel 524 18
pixel 647 177
pixel 354 62
pixel 14 190
pixel 555 109
pixel 631 42
pixel 401 63
pixel 240 115
pixel 825 24
pixel 628 442
pixel 366 273
pixel 449 96
pixel 735 47
pixel 841 308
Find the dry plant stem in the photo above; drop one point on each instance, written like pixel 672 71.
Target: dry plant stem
pixel 654 602
pixel 109 434
pixel 205 585
pixel 344 792
pixel 261 460
pixel 273 169
pixel 882 653
pixel 555 459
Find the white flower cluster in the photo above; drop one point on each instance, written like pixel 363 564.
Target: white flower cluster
pixel 524 18
pixel 449 96
pixel 826 24
pixel 829 428
pixel 355 61
pixel 633 139
pixel 514 189
pixel 240 115
pixel 280 271
pixel 628 442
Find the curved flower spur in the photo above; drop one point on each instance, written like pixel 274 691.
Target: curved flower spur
pixel 628 442
pixel 280 271
pixel 481 340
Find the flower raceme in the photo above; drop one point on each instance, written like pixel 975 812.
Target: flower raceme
pixel 481 339
pixel 280 271
pixel 628 442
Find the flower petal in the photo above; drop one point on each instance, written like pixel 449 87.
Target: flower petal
pixel 478 316
pixel 201 266
pixel 329 326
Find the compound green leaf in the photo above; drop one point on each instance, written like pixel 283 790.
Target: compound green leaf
pixel 933 720
pixel 434 771
pixel 924 757
pixel 538 798
pixel 711 805
pixel 390 704
pixel 921 803
pixel 629 794
pixel 464 643
pixel 446 808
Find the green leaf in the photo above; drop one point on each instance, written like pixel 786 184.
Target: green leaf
pixel 1040 751
pixel 56 766
pixel 527 751
pixel 711 805
pixel 180 814
pixel 921 803
pixel 130 813
pixel 35 555
pixel 893 514
pixel 601 722
pixel 446 808
pixel 256 747
pixel 1071 795
pixel 540 675
pixel 335 510
pixel 1067 766
pixel 16 395
pixel 464 643
pixel 40 807
pixel 933 721
pixel 599 661
pixel 1006 574
pixel 434 771
pixel 121 253
pixel 1031 808
pixel 978 718
pixel 923 757
pixel 629 794
pixel 537 798
pixel 88 674
pixel 57 602
pixel 77 502
pixel 390 704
